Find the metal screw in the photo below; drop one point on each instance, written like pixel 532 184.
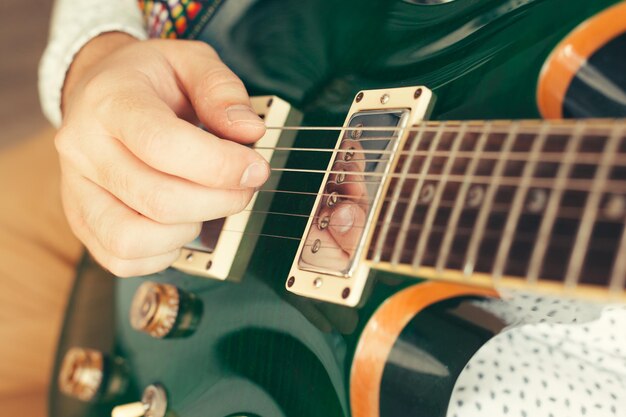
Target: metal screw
pixel 317 282
pixel 356 132
pixel 348 155
pixel 332 199
pixel 384 99
pixel 359 97
pixel 417 93
pixel 291 281
pixel 345 293
pixel 324 222
pixel 209 265
pixel 269 102
pixel 189 257
pixel 316 246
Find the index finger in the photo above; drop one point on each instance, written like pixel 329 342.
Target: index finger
pixel 151 131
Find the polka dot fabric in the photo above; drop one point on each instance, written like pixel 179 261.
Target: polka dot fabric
pixel 559 358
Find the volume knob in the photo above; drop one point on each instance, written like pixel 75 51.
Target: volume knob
pixel 163 310
pixel 88 374
pixel 81 373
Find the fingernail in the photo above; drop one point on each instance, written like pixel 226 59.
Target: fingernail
pixel 242 114
pixel 342 219
pixel 255 175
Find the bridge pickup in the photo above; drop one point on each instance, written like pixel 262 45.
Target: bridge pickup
pixel 329 264
pixel 213 253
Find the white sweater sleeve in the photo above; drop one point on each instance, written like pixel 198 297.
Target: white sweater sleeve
pixel 73 24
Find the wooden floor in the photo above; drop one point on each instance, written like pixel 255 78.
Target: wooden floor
pixel 23 34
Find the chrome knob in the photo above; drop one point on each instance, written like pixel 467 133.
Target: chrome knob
pixel 81 373
pixel 88 374
pixel 163 310
pixel 153 404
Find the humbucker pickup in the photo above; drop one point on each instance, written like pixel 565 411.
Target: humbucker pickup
pixel 530 204
pixel 213 253
pixel 329 264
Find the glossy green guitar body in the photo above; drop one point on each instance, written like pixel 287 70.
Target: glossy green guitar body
pixel 259 350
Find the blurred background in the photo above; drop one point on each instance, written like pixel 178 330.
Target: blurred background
pixel 23 33
pixel 38 253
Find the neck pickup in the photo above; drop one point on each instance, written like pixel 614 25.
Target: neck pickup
pixel 532 204
pixel 330 264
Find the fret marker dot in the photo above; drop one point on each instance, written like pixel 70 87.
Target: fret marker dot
pixel 615 207
pixel 475 196
pixel 427 194
pixel 537 200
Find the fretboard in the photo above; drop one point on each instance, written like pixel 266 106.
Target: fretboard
pixel 517 203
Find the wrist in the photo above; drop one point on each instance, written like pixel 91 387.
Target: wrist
pixel 89 55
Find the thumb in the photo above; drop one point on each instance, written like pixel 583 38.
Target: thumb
pixel 217 95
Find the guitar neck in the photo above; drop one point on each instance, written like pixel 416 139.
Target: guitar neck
pixel 517 203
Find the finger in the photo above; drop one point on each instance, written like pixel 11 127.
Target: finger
pixel 216 93
pixel 149 129
pixel 125 268
pixel 160 197
pixel 346 223
pixel 99 219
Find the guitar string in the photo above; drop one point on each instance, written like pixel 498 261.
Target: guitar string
pixel 582 158
pixel 346 172
pixel 557 240
pixel 568 213
pixel 574 184
pixel 526 126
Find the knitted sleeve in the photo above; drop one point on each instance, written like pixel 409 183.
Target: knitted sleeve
pixel 74 23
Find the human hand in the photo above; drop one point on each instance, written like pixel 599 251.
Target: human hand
pixel 138 176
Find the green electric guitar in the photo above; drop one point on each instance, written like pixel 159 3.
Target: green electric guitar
pixel 423 153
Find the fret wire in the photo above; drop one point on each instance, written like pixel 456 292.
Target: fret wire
pixel 459 202
pixel 434 205
pixel 402 234
pixel 396 195
pixel 585 229
pixel 550 213
pixel 518 201
pixel 618 275
pixel 483 214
